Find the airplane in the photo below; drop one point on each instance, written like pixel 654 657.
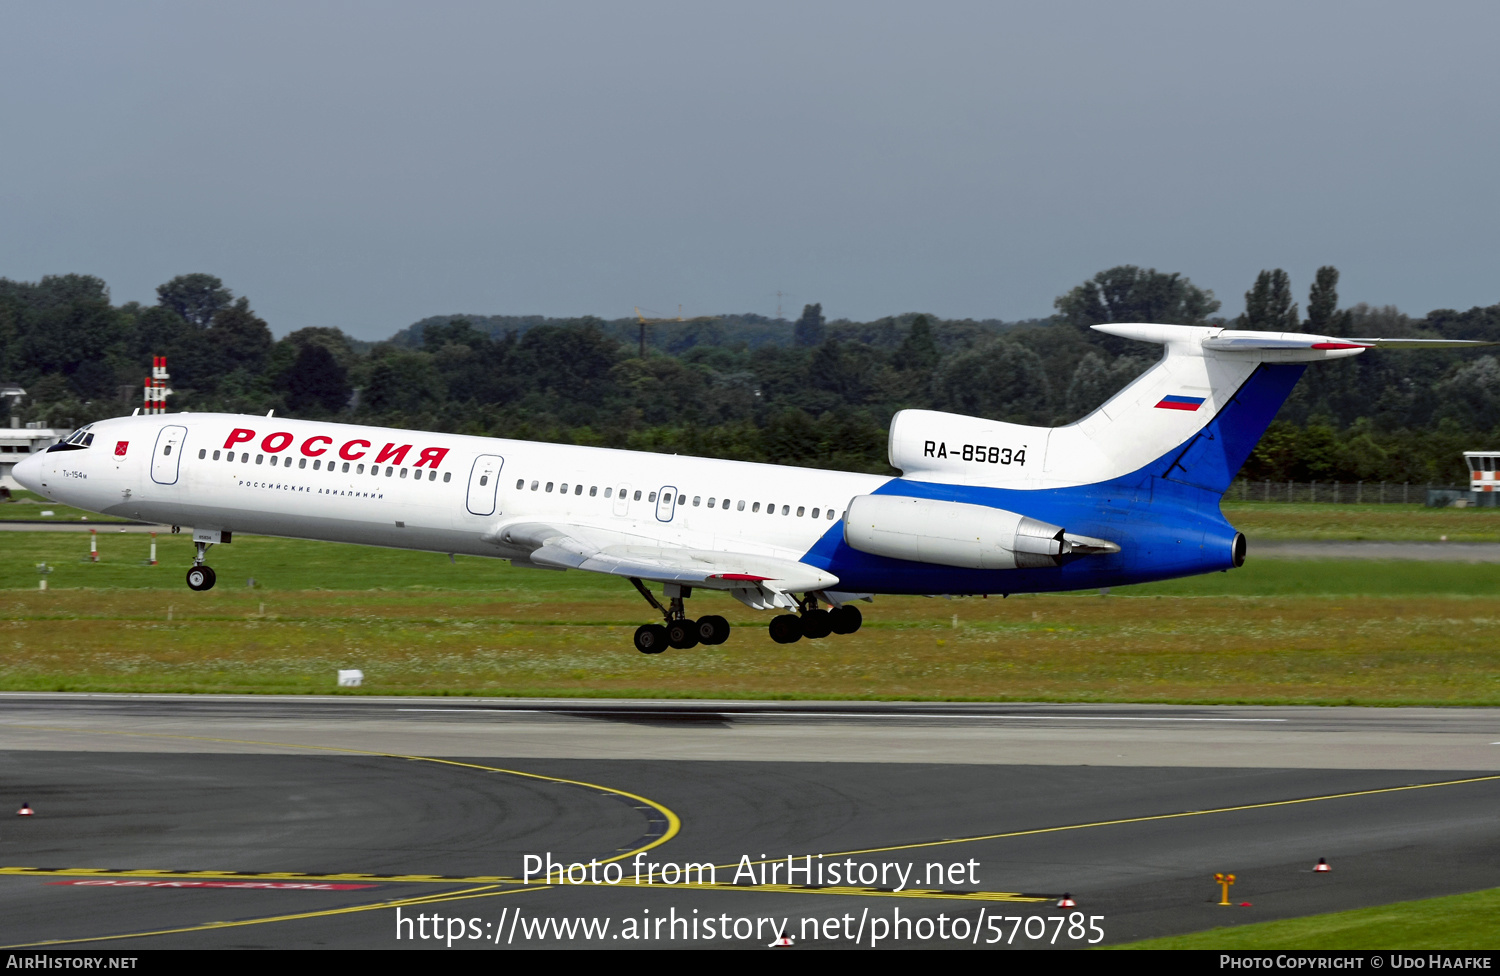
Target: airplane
pixel 1128 494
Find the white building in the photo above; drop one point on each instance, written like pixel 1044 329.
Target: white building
pixel 1484 477
pixel 19 440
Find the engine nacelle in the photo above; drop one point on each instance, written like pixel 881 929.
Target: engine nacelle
pixel 946 533
pixel 950 445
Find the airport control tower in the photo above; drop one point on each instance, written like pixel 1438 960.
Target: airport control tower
pixel 1484 477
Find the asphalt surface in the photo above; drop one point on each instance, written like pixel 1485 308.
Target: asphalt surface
pixel 1446 552
pixel 177 813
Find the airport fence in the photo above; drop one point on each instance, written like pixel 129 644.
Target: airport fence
pixel 1431 494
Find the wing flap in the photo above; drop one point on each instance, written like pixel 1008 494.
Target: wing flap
pixel 578 547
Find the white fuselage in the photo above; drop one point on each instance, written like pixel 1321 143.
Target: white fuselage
pixel 443 492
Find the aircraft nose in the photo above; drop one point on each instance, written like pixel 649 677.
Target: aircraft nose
pixel 28 472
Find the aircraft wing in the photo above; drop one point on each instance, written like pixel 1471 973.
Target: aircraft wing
pixel 758 581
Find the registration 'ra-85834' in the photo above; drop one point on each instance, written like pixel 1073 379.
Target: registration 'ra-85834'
pixel 984 453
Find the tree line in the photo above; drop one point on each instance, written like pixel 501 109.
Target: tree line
pixel 809 391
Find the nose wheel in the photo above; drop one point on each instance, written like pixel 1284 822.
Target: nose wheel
pixel 200 577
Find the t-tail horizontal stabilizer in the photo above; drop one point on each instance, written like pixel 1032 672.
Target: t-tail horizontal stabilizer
pixel 1237 380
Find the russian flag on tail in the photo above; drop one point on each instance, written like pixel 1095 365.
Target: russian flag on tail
pixel 1180 403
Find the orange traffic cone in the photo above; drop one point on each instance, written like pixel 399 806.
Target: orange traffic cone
pixel 1321 866
pixel 25 810
pixel 1066 901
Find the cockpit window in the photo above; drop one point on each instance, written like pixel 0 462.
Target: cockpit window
pixel 80 438
pixel 77 441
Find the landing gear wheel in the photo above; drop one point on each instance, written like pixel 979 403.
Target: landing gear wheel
pixel 651 638
pixel 846 619
pixel 703 629
pixel 786 629
pixel 713 629
pixel 682 634
pixel 816 624
pixel 200 578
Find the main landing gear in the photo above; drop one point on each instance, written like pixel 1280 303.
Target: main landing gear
pixel 682 632
pixel 815 623
pixel 678 631
pixel 200 577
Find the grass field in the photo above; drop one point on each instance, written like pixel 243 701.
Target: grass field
pixel 1457 922
pixel 1276 631
pixel 1401 523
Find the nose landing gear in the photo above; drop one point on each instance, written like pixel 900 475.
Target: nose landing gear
pixel 201 577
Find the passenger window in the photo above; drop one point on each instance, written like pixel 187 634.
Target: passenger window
pixel 815 513
pixel 216 455
pixel 651 497
pixel 753 508
pixel 318 465
pixel 447 475
pixel 432 475
pixel 562 488
pixel 358 469
pixel 830 515
pixel 696 500
pixel 786 509
pixel 303 463
pixel 403 472
pixel 712 502
pixel 202 454
pixel 594 491
pixel 520 483
pixel 800 510
pixel 346 467
pixel 741 506
pixel 549 485
pixel 259 458
pixel 534 485
pixel 578 489
pixel 637 495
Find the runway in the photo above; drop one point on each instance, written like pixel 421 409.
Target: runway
pixel 432 804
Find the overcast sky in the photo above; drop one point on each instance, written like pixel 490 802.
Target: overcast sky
pixel 363 165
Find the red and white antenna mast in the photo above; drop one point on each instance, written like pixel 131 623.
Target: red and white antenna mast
pixel 156 386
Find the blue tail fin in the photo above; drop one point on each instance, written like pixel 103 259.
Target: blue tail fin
pixel 1212 458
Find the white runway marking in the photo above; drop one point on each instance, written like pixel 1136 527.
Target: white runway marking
pixel 882 715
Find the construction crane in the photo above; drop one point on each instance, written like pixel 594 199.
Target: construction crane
pixel 641 317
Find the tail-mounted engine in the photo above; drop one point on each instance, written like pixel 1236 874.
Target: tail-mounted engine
pixel 945 533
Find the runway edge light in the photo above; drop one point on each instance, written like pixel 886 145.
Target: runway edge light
pixel 1066 901
pixel 1321 866
pixel 25 810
